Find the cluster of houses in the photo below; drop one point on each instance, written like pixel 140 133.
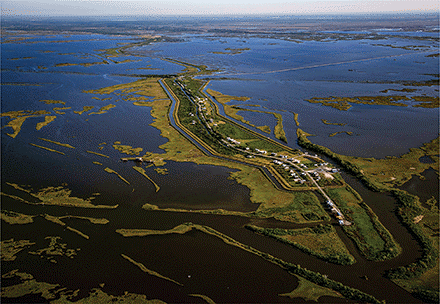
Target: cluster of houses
pixel 200 100
pixel 233 140
pixel 333 170
pixel 261 151
pixel 292 173
pixel 316 176
pixel 299 177
pixel 335 210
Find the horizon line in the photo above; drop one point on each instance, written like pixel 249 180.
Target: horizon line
pixel 415 12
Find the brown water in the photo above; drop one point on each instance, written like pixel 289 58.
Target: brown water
pixel 225 273
pixel 202 263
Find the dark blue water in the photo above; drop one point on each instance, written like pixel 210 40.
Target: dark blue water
pixel 214 266
pixel 288 73
pixel 78 49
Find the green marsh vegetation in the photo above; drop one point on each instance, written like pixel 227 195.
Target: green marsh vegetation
pixel 224 128
pixel 48 149
pixel 321 241
pixel 345 103
pixel 420 277
pixel 311 276
pixel 111 171
pixel 19 117
pixel 295 116
pixel 259 183
pixel 150 272
pixel 332 123
pixel 27 285
pixel 103 109
pixel 372 239
pixel 85 109
pixel 340 132
pixel 59 196
pixel 120 51
pixel 389 247
pixel 144 173
pixel 58 220
pixel 129 150
pixel 57 294
pixel 279 129
pixel 58 143
pixel 161 171
pixel 47 120
pixel 309 291
pixel 231 111
pixel 232 51
pixel 64 64
pixel 10 248
pixel 426 102
pixel 15 218
pixel 99 154
pixel 85 64
pixel 55 248
pixel 263 191
pixel 381 174
pixel 51 101
pixel 58 110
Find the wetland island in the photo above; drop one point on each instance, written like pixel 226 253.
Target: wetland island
pixel 231 159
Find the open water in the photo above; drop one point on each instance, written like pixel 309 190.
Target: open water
pixel 277 75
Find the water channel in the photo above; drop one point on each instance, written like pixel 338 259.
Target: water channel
pixel 384 206
pixel 202 263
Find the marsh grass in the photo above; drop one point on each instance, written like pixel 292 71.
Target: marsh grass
pixel 14 218
pixel 51 101
pixel 146 270
pixel 48 149
pixel 321 241
pixel 59 196
pixel 309 291
pixel 55 248
pixel 58 110
pixel 344 103
pixel 99 154
pixel 111 171
pixel 103 109
pixel 129 150
pixel 291 268
pixel 47 120
pixel 10 249
pixel 85 109
pixel 57 143
pixel 27 286
pixel 340 132
pixel 143 172
pixel 19 117
pixel 332 123
pixel 369 235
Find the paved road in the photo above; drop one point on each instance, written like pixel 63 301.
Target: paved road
pixel 238 150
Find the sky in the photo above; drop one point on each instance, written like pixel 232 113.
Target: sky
pixel 209 7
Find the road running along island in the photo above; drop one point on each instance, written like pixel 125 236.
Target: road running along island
pixel 290 160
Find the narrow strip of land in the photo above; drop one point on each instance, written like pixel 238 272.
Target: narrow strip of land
pixel 322 65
